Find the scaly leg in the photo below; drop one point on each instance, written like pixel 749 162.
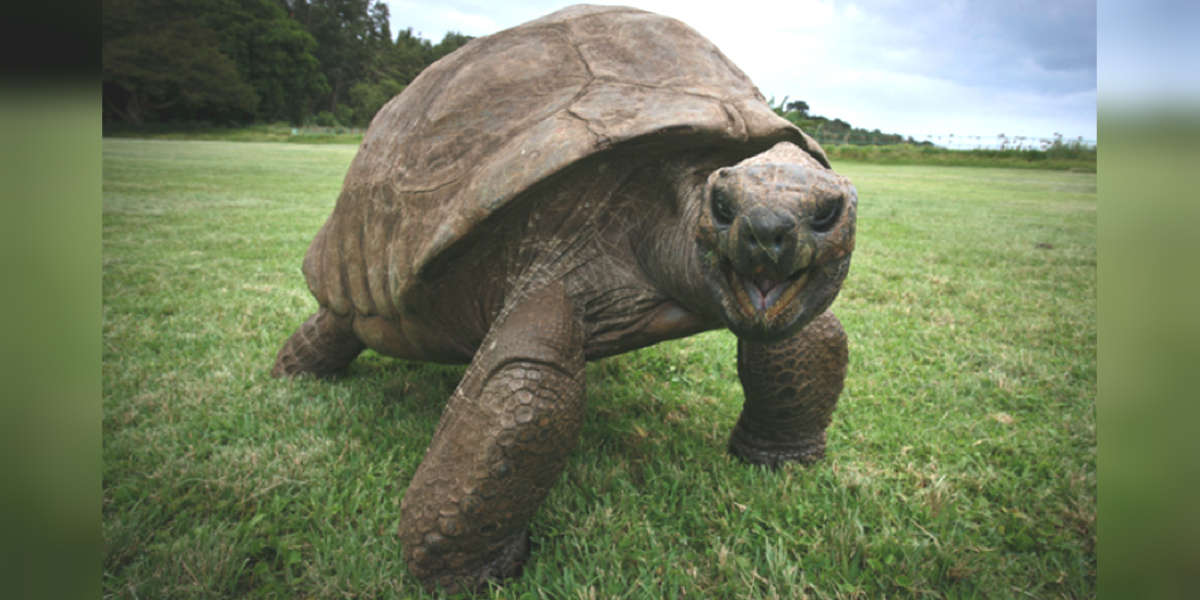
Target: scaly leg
pixel 323 345
pixel 791 388
pixel 501 443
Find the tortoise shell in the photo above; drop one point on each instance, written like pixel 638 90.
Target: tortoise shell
pixel 504 112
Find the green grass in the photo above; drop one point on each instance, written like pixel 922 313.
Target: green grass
pixel 961 459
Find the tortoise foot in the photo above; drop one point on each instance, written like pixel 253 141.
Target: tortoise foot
pixel 508 561
pixel 505 563
pixel 323 346
pixel 760 451
pixel 791 387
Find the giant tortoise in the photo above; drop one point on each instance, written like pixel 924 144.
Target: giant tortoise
pixel 585 184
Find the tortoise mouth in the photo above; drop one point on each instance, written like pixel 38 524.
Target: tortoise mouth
pixel 763 300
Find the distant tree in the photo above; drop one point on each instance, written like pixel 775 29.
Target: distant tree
pixel 394 66
pixel 366 98
pixel 266 60
pixel 344 31
pixel 452 41
pixel 160 60
pixel 222 60
pixel 798 106
pixel 408 56
pixel 779 109
pixel 832 131
pixel 274 54
pixel 411 54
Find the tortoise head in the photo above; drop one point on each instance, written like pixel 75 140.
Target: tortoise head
pixel 775 235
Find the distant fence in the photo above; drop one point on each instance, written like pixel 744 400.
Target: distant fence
pixel 955 142
pixel 950 140
pixel 318 130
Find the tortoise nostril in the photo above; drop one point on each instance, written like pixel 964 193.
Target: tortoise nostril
pixel 766 243
pixel 770 227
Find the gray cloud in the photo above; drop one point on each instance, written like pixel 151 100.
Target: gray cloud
pixel 1047 46
pixel 913 67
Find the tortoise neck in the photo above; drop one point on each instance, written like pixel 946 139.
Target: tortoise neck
pixel 667 248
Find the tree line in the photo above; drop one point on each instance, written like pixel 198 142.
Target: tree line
pixel 224 62
pixel 305 62
pixel 836 131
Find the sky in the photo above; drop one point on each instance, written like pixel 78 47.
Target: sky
pixel 926 69
pixel 1148 54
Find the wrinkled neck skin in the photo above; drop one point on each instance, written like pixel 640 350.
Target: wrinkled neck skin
pixel 641 282
pixel 667 250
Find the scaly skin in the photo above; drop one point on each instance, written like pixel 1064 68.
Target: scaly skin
pixel 501 443
pixel 791 388
pixel 323 345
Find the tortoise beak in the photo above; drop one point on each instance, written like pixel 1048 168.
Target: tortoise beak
pixel 764 297
pixel 768 254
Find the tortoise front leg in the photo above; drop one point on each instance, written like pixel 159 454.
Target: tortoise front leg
pixel 501 443
pixel 791 388
pixel 323 345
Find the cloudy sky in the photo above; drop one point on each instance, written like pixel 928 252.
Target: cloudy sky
pixel 915 67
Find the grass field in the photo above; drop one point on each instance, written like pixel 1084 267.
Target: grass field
pixel 961 459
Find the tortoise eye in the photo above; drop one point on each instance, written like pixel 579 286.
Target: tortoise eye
pixel 827 214
pixel 722 208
